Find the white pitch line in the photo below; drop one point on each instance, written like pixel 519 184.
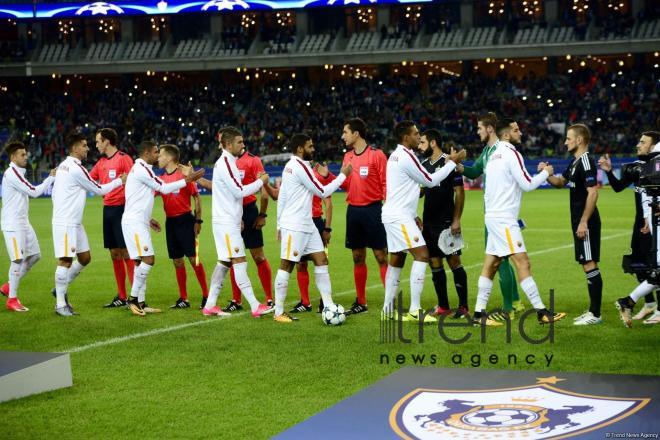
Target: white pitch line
pixel 161 330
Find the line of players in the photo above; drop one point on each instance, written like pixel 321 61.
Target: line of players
pixel 240 175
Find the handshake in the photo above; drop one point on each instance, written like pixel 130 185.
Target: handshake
pixel 547 167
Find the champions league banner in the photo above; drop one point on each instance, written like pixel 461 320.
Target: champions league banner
pixel 159 7
pixel 442 403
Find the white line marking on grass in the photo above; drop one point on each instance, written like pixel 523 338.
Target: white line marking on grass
pixel 161 330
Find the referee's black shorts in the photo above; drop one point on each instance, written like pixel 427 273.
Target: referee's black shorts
pixel 252 238
pixel 319 222
pixel 180 234
pixel 113 238
pixel 431 236
pixel 364 227
pixel 588 249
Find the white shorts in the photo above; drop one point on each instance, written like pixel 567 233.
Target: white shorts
pixel 504 237
pixel 138 240
pixel 21 244
pixel 228 242
pixel 295 244
pixel 68 241
pixel 403 236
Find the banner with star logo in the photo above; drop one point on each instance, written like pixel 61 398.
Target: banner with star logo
pixel 442 403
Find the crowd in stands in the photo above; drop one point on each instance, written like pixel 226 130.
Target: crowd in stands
pixel 269 113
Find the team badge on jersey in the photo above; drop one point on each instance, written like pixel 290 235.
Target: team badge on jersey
pixel 531 412
pixel 242 174
pixel 364 171
pixel 112 174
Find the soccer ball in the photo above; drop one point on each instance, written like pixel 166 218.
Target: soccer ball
pixel 500 417
pixel 333 315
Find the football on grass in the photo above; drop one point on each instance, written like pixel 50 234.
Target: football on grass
pixel 333 315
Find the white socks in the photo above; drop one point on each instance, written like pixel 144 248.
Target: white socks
pixel 14 278
pixel 243 283
pixel 484 286
pixel 140 281
pixel 528 286
pixel 322 279
pixel 28 262
pixel 217 279
pixel 417 276
pixel 61 284
pixel 74 271
pixel 391 287
pixel 281 286
pixel 642 290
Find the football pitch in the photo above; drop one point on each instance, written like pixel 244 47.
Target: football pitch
pixel 180 374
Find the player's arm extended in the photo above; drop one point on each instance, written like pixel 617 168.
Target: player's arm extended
pixel 516 166
pixel 416 172
pixel 84 180
pixel 557 181
pixel 477 168
pixel 158 185
pixel 306 177
pixel 231 181
pixel 206 184
pixel 25 187
pixel 617 184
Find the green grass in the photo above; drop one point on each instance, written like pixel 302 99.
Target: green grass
pixel 248 378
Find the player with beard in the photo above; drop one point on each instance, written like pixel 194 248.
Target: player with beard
pixel 640 243
pixel 580 177
pixel 404 175
pixel 508 178
pixel 443 207
pixel 486 125
pixel 296 231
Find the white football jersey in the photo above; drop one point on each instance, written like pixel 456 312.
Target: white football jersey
pixel 404 175
pixel 141 185
pixel 507 179
pixel 72 183
pixel 299 186
pixel 228 192
pixel 15 192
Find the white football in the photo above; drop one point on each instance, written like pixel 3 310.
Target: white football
pixel 333 315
